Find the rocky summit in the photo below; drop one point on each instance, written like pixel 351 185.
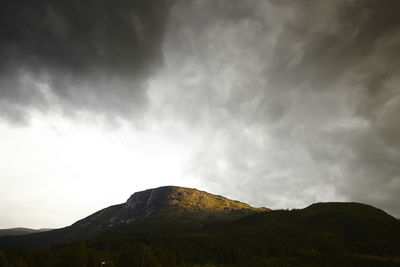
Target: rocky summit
pixel 170 201
pixel 160 209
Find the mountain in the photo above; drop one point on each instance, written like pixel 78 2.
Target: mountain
pixel 21 231
pixel 159 209
pixel 175 226
pixel 169 202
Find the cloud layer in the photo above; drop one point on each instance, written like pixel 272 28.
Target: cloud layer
pixel 281 103
pixel 93 56
pixel 299 101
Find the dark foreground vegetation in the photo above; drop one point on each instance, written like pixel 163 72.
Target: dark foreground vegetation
pixel 325 234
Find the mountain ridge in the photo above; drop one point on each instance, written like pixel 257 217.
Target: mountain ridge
pixel 21 231
pixel 176 226
pixel 156 209
pixel 169 199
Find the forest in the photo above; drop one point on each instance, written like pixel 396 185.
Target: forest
pixel 320 235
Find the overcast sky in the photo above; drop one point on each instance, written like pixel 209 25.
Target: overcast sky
pixel 275 103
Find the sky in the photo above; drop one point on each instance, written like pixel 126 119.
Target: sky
pixel 274 103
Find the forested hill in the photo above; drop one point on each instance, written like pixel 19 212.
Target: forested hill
pixel 162 208
pixel 21 231
pixel 323 234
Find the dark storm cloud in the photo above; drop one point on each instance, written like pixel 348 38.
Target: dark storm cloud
pixel 299 100
pixel 294 101
pixel 86 55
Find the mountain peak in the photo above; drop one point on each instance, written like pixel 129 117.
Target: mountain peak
pixel 184 200
pixel 166 207
pixel 169 202
pixel 143 199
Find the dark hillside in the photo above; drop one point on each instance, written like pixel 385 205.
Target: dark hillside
pixel 163 208
pixel 173 226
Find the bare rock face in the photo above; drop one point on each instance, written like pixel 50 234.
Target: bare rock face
pixel 169 202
